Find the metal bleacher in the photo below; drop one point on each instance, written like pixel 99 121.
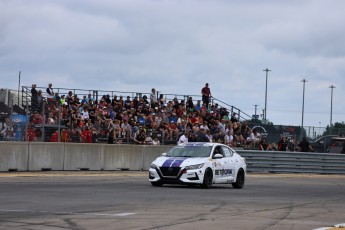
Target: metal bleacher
pixel 97 94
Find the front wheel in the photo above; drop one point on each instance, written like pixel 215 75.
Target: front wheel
pixel 239 180
pixel 208 179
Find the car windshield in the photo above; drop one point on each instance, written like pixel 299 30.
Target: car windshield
pixel 190 151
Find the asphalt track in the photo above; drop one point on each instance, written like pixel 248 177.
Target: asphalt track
pixel 126 200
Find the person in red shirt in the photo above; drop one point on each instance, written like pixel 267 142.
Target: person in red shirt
pixel 194 118
pixel 206 95
pixel 173 130
pixel 31 135
pixel 64 136
pixel 86 135
pixel 203 108
pixel 54 137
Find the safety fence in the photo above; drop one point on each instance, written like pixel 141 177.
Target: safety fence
pixel 28 156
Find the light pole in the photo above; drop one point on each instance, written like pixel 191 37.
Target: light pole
pixel 320 128
pixel 330 122
pixel 265 113
pixel 19 85
pixel 304 81
pixel 255 116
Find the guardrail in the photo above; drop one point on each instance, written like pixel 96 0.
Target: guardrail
pixel 294 162
pixel 33 156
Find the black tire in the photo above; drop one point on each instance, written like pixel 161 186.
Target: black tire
pixel 157 184
pixel 208 179
pixel 239 180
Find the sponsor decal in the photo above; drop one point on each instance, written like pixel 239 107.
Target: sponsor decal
pixel 223 172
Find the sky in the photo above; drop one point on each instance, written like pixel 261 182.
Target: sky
pixel 176 46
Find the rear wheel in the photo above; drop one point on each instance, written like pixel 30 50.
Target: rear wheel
pixel 208 179
pixel 157 184
pixel 239 180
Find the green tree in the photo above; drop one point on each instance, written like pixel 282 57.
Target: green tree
pixel 337 129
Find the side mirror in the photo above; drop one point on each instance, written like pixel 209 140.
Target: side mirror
pixel 164 154
pixel 218 156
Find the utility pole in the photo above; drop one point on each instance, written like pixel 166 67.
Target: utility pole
pixel 255 116
pixel 265 113
pixel 255 109
pixel 304 81
pixel 330 122
pixel 19 86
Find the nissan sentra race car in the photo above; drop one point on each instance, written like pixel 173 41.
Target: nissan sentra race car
pixel 199 164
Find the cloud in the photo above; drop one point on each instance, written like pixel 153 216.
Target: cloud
pixel 176 46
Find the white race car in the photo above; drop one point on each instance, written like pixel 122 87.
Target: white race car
pixel 199 164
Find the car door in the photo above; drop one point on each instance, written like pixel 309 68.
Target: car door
pixel 229 164
pixel 218 164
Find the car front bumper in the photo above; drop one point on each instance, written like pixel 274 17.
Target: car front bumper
pixel 195 176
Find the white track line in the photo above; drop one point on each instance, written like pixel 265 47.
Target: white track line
pixel 124 214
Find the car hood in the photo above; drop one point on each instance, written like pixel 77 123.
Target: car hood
pixel 179 161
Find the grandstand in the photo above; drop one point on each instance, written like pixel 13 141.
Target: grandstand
pixel 49 122
pixel 55 121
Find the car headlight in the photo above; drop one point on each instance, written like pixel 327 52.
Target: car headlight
pixel 153 166
pixel 198 166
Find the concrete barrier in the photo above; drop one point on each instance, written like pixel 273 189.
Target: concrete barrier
pixel 28 156
pixel 131 157
pixel 152 152
pixel 128 157
pixel 14 156
pixel 83 156
pixel 43 156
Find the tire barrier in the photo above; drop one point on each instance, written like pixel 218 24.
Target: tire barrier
pixel 41 156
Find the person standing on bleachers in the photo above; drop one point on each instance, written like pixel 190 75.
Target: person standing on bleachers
pixel 34 94
pixel 153 98
pixel 206 95
pixel 50 92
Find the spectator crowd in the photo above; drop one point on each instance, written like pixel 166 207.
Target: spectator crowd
pixel 139 120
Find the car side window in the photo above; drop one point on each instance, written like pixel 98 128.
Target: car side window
pixel 227 152
pixel 218 150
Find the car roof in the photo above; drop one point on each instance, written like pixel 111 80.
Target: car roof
pixel 338 138
pixel 322 137
pixel 204 144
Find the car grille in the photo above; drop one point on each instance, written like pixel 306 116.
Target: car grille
pixel 170 171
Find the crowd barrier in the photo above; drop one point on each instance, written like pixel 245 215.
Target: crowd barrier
pixel 40 156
